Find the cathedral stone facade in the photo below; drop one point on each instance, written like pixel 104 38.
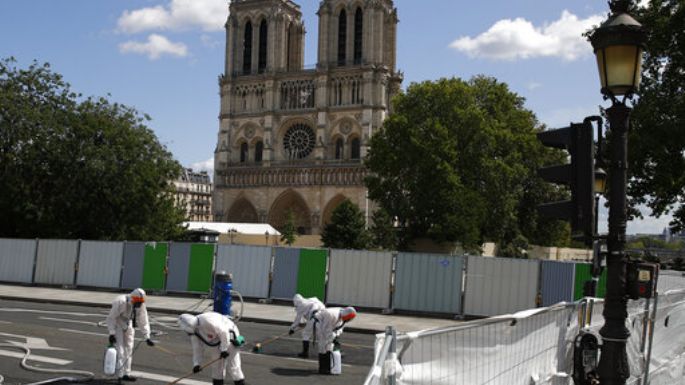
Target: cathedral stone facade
pixel 292 138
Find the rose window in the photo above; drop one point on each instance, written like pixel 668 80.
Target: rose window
pixel 299 141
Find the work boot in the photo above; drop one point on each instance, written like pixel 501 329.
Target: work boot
pixel 128 378
pixel 305 350
pixel 325 363
pixel 217 382
pixel 239 382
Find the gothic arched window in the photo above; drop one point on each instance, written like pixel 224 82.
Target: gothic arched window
pixel 355 149
pixel 339 148
pixel 258 150
pixel 342 37
pixel 358 35
pixel 263 35
pixel 243 152
pixel 247 49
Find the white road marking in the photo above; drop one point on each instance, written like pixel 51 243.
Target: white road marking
pixel 5 322
pixel 69 321
pixel 166 379
pixel 17 310
pixel 34 358
pixel 89 333
pixel 31 342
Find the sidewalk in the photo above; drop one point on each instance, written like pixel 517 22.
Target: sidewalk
pixel 253 312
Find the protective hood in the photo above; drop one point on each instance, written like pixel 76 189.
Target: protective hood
pixel 137 296
pixel 297 300
pixel 347 314
pixel 188 323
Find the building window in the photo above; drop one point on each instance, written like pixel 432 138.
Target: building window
pixel 355 150
pixel 263 35
pixel 247 49
pixel 342 37
pixel 358 34
pixel 299 141
pixel 243 152
pixel 339 148
pixel 258 150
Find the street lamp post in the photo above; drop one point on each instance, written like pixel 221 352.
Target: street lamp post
pixel 618 44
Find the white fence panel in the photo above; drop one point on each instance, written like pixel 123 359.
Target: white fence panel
pixel 670 280
pixel 497 286
pixel 16 259
pixel 250 267
pixel 56 261
pixel 428 283
pixel 99 264
pixel 360 278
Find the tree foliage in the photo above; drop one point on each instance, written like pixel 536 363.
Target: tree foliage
pixel 79 168
pixel 289 231
pixel 657 139
pixel 383 232
pixel 347 229
pixel 456 162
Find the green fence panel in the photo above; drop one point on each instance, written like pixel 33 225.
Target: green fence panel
pixel 154 263
pixel 584 273
pixel 200 270
pixel 311 277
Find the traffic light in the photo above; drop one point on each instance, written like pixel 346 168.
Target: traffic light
pixel 579 175
pixel 641 279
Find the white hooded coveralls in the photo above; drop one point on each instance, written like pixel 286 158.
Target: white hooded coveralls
pixel 304 311
pixel 215 332
pixel 120 324
pixel 328 326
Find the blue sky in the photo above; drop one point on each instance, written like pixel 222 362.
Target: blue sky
pixel 164 56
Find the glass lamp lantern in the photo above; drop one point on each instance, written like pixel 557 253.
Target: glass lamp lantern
pixel 618 44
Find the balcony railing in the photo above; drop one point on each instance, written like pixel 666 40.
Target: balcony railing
pixel 344 174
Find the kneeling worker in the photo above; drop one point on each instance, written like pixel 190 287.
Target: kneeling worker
pixel 128 312
pixel 328 325
pixel 217 331
pixel 305 309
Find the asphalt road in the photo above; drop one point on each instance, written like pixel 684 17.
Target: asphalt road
pixel 69 337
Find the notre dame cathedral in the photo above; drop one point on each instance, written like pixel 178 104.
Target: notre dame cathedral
pixel 291 137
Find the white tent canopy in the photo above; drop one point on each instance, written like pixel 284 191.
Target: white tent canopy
pixel 241 228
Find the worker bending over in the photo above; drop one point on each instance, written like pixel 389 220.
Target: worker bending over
pixel 223 337
pixel 328 325
pixel 305 309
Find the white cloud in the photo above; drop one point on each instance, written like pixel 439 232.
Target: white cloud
pixel 206 165
pixel 533 86
pixel 209 41
pixel 154 47
pixel 647 225
pixel 563 116
pixel 209 15
pixel 519 39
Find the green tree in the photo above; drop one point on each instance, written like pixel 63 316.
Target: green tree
pixel 657 138
pixel 456 162
pixel 79 168
pixel 347 229
pixel 289 231
pixel 383 233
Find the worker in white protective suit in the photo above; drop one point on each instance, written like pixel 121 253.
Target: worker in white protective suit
pixel 305 309
pixel 328 325
pixel 128 312
pixel 223 337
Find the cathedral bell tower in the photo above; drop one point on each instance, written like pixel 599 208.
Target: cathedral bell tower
pixel 291 138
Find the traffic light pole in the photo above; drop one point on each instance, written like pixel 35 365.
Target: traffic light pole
pixel 613 365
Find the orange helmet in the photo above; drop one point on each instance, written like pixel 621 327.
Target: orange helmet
pixel 348 314
pixel 138 296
